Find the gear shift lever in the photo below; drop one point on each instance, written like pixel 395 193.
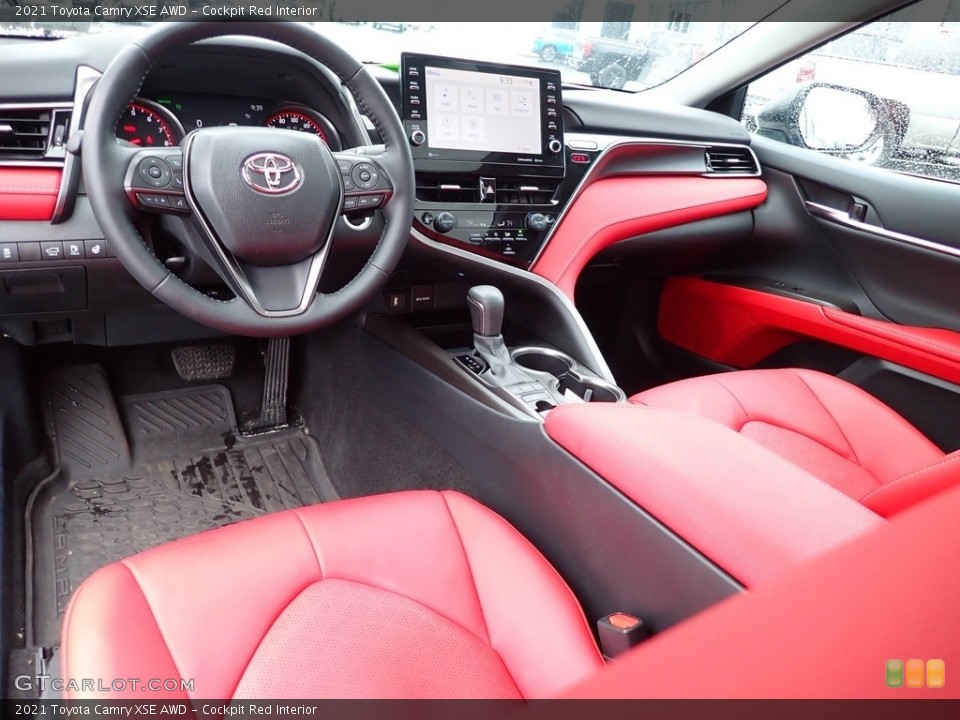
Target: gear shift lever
pixel 486 310
pixel 486 313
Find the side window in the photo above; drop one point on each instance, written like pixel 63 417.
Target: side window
pixel 887 94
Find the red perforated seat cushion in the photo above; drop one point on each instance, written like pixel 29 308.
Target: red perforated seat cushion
pixel 417 594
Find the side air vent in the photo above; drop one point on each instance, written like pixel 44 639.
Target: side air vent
pixel 537 191
pixel 33 133
pixel 731 161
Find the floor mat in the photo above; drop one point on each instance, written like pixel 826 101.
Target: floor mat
pixel 188 472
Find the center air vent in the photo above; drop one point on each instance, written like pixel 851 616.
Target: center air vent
pixel 457 188
pixel 539 191
pixel 447 188
pixel 731 161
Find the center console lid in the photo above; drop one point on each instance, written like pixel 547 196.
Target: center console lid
pixel 748 510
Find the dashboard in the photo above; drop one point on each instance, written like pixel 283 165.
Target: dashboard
pixel 496 191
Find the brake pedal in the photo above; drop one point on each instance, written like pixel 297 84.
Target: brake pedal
pixel 204 362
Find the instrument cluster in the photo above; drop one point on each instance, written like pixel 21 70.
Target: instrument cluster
pixel 164 121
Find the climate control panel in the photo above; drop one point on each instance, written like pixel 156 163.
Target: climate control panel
pixel 512 234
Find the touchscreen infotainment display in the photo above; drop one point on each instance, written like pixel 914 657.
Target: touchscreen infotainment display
pixel 482 111
pixel 458 113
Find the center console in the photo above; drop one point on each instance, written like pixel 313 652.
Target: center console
pixel 489 153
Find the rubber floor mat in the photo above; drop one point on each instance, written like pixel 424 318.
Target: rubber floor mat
pixel 79 525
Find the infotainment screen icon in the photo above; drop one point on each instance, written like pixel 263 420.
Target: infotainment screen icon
pixel 466 112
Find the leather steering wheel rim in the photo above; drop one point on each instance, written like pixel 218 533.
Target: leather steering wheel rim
pixel 103 176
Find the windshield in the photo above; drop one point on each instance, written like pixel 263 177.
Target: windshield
pixel 628 56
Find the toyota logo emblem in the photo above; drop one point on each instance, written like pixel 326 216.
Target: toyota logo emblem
pixel 272 173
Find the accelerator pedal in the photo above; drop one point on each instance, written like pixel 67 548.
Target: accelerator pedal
pixel 273 407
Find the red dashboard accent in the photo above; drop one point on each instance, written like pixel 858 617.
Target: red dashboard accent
pixel 740 327
pixel 28 193
pixel 614 209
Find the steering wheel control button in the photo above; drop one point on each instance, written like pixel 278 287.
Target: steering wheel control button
pixel 153 201
pixel 162 203
pixel 51 250
pixel 175 162
pixel 365 176
pixel 350 202
pixel 345 166
pixel 155 172
pixel 178 181
pixel 369 201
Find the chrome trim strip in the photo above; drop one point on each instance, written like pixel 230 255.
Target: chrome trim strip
pixel 33 163
pixel 613 146
pixel 38 105
pixel 839 217
pixel 236 273
pixel 597 359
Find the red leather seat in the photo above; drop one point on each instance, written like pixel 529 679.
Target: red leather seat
pixel 416 594
pixel 826 426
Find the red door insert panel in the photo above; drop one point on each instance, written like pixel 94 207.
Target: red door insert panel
pixel 740 327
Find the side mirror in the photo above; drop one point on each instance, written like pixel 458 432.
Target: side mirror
pixel 831 119
pixel 836 120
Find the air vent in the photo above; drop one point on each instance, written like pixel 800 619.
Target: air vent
pixel 538 191
pixel 452 188
pixel 24 133
pixel 448 188
pixel 731 161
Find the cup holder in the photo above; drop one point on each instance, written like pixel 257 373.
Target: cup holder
pixel 564 369
pixel 546 361
pixel 588 390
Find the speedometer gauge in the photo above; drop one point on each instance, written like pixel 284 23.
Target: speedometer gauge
pixel 304 120
pixel 146 124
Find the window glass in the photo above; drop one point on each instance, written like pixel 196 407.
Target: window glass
pixel 887 94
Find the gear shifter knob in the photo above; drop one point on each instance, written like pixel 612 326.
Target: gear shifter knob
pixel 486 310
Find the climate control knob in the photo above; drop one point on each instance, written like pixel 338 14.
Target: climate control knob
pixel 536 222
pixel 445 222
pixel 554 146
pixel 418 137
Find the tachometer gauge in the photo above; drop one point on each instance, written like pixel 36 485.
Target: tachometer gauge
pixel 146 124
pixel 304 120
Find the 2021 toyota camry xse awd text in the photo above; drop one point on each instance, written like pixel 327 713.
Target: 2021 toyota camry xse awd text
pixel 340 362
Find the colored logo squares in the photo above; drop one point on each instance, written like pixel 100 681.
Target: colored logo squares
pixel 916 673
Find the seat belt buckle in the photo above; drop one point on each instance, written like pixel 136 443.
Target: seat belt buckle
pixel 620 632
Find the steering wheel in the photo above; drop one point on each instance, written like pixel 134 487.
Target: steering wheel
pixel 265 201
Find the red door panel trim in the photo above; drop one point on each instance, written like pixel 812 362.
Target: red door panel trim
pixel 614 209
pixel 28 193
pixel 740 327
